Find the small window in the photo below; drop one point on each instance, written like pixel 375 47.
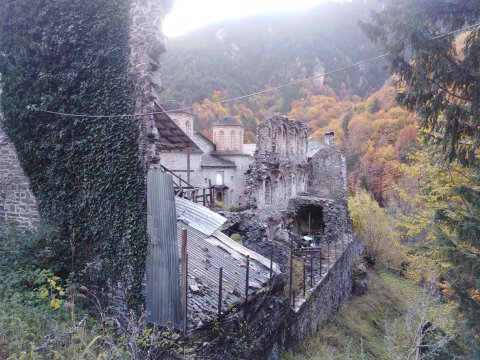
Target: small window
pixel 219 178
pixel 206 180
pixel 232 178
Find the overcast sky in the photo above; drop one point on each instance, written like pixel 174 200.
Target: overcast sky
pixel 188 15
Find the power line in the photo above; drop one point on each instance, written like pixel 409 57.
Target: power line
pixel 279 87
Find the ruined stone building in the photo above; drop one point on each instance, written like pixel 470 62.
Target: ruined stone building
pixel 296 187
pixel 280 170
pixel 219 164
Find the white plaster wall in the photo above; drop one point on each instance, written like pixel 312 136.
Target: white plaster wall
pixel 178 161
pixel 237 184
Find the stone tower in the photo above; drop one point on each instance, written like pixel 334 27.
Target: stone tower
pixel 228 135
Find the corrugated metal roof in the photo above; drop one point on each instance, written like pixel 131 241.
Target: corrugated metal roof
pixel 198 217
pixel 225 242
pixel 207 253
pixel 162 266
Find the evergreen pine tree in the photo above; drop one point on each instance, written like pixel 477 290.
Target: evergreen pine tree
pixel 439 79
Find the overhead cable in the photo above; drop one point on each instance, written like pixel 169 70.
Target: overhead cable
pixel 275 88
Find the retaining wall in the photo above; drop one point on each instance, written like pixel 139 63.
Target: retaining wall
pixel 18 206
pixel 276 327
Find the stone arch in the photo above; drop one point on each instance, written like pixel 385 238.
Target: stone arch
pixel 304 142
pixel 269 139
pixel 280 190
pixel 295 144
pixel 219 197
pixel 293 187
pixel 284 139
pixel 268 190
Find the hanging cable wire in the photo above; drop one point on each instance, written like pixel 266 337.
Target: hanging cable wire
pixel 275 88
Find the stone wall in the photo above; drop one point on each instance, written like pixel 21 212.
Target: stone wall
pixel 328 178
pixel 275 327
pixel 147 44
pixel 18 206
pixel 334 290
pixel 236 181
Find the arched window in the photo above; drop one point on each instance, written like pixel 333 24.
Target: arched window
pixel 268 191
pixel 221 139
pixel 232 140
pixel 284 139
pixel 188 128
pixel 294 185
pixel 281 191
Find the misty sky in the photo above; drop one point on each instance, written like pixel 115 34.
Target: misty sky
pixel 188 15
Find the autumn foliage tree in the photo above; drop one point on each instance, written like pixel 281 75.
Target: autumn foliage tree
pixel 439 80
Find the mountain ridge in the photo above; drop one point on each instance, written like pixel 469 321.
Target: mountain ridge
pixel 247 55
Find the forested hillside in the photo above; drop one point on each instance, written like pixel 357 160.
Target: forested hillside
pixel 249 55
pixel 410 140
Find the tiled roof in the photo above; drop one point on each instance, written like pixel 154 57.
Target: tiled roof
pixel 213 161
pixel 228 121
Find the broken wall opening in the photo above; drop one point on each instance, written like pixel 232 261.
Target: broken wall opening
pixel 310 220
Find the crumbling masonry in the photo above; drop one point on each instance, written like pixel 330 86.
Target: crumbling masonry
pixel 296 187
pixel 280 170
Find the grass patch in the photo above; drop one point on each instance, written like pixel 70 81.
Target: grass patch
pixel 237 238
pixel 362 320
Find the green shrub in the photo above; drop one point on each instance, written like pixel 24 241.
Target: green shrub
pixel 237 238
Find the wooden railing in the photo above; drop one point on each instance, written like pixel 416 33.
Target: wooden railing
pixel 187 191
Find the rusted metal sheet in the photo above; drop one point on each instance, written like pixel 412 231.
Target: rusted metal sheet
pixel 163 297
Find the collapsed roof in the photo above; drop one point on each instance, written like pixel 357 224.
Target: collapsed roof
pixel 209 250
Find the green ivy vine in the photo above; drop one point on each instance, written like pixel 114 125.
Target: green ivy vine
pixel 73 56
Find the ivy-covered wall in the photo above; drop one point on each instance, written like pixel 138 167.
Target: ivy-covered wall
pixel 72 56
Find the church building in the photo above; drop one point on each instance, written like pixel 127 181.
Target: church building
pixel 220 165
